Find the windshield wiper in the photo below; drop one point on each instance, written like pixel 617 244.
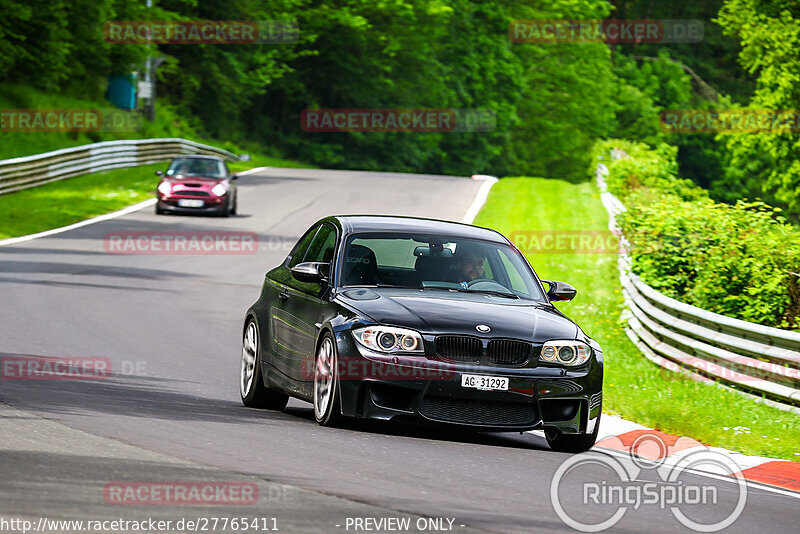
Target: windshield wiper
pixel 481 291
pixel 379 285
pixel 489 292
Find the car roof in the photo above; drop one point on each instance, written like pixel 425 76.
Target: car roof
pixel 198 156
pixel 352 224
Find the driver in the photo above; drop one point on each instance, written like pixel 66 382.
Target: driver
pixel 470 262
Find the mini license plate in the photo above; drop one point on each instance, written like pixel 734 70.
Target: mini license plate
pixel 484 382
pixel 190 203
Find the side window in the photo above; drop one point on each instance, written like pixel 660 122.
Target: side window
pixel 299 250
pixel 321 248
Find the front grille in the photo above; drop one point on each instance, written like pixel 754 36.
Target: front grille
pixel 508 352
pixel 190 193
pixel 459 348
pixel 478 412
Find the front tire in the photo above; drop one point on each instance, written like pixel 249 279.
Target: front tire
pixel 327 409
pixel 159 210
pixel 574 443
pixel 254 392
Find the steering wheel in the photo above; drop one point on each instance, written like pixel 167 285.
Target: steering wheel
pixel 479 280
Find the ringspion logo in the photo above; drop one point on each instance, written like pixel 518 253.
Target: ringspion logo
pixel 622 487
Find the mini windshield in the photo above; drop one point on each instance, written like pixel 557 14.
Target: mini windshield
pixel 206 168
pixel 438 263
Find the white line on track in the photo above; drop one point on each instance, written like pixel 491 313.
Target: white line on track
pixel 81 224
pixel 480 198
pixel 101 218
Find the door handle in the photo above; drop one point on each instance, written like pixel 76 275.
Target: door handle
pixel 283 295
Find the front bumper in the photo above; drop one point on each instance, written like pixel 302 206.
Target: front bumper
pixel 210 204
pixel 376 386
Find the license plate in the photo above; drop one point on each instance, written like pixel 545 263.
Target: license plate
pixel 190 203
pixel 487 383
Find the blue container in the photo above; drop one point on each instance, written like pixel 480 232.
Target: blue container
pixel 122 91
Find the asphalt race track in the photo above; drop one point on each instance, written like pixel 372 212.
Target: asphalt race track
pixel 170 324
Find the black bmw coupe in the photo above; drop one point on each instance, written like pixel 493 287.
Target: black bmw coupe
pixel 404 318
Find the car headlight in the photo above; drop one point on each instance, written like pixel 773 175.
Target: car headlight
pixel 219 190
pixel 570 353
pixel 389 339
pixel 165 188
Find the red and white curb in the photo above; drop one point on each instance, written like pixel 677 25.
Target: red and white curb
pixel 637 441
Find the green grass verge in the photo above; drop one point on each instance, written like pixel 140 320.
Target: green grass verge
pixel 634 388
pixel 68 201
pixel 74 199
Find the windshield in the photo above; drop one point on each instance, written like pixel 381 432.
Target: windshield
pixel 207 168
pixel 438 263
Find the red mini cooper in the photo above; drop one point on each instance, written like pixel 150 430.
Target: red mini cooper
pixel 197 184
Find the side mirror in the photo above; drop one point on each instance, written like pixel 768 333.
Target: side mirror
pixel 234 177
pixel 159 174
pixel 311 272
pixel 560 291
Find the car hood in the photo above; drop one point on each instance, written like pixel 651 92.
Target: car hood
pixel 440 312
pixel 195 180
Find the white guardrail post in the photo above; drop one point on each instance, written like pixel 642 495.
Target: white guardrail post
pixel 30 171
pixel 750 357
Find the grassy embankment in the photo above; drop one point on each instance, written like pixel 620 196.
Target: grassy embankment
pixel 634 388
pixel 68 201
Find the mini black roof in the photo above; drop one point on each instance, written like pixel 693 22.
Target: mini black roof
pixel 351 224
pixel 198 156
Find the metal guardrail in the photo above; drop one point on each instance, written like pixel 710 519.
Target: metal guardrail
pixel 750 357
pixel 30 171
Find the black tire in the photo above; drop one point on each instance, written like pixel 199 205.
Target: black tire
pixel 159 211
pixel 235 204
pixel 226 208
pixel 331 413
pixel 574 443
pixel 258 394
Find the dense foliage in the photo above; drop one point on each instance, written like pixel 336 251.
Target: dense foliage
pixel 740 260
pixel 551 101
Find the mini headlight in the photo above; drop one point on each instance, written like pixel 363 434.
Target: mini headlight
pixel 165 188
pixel 219 190
pixel 389 339
pixel 569 353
